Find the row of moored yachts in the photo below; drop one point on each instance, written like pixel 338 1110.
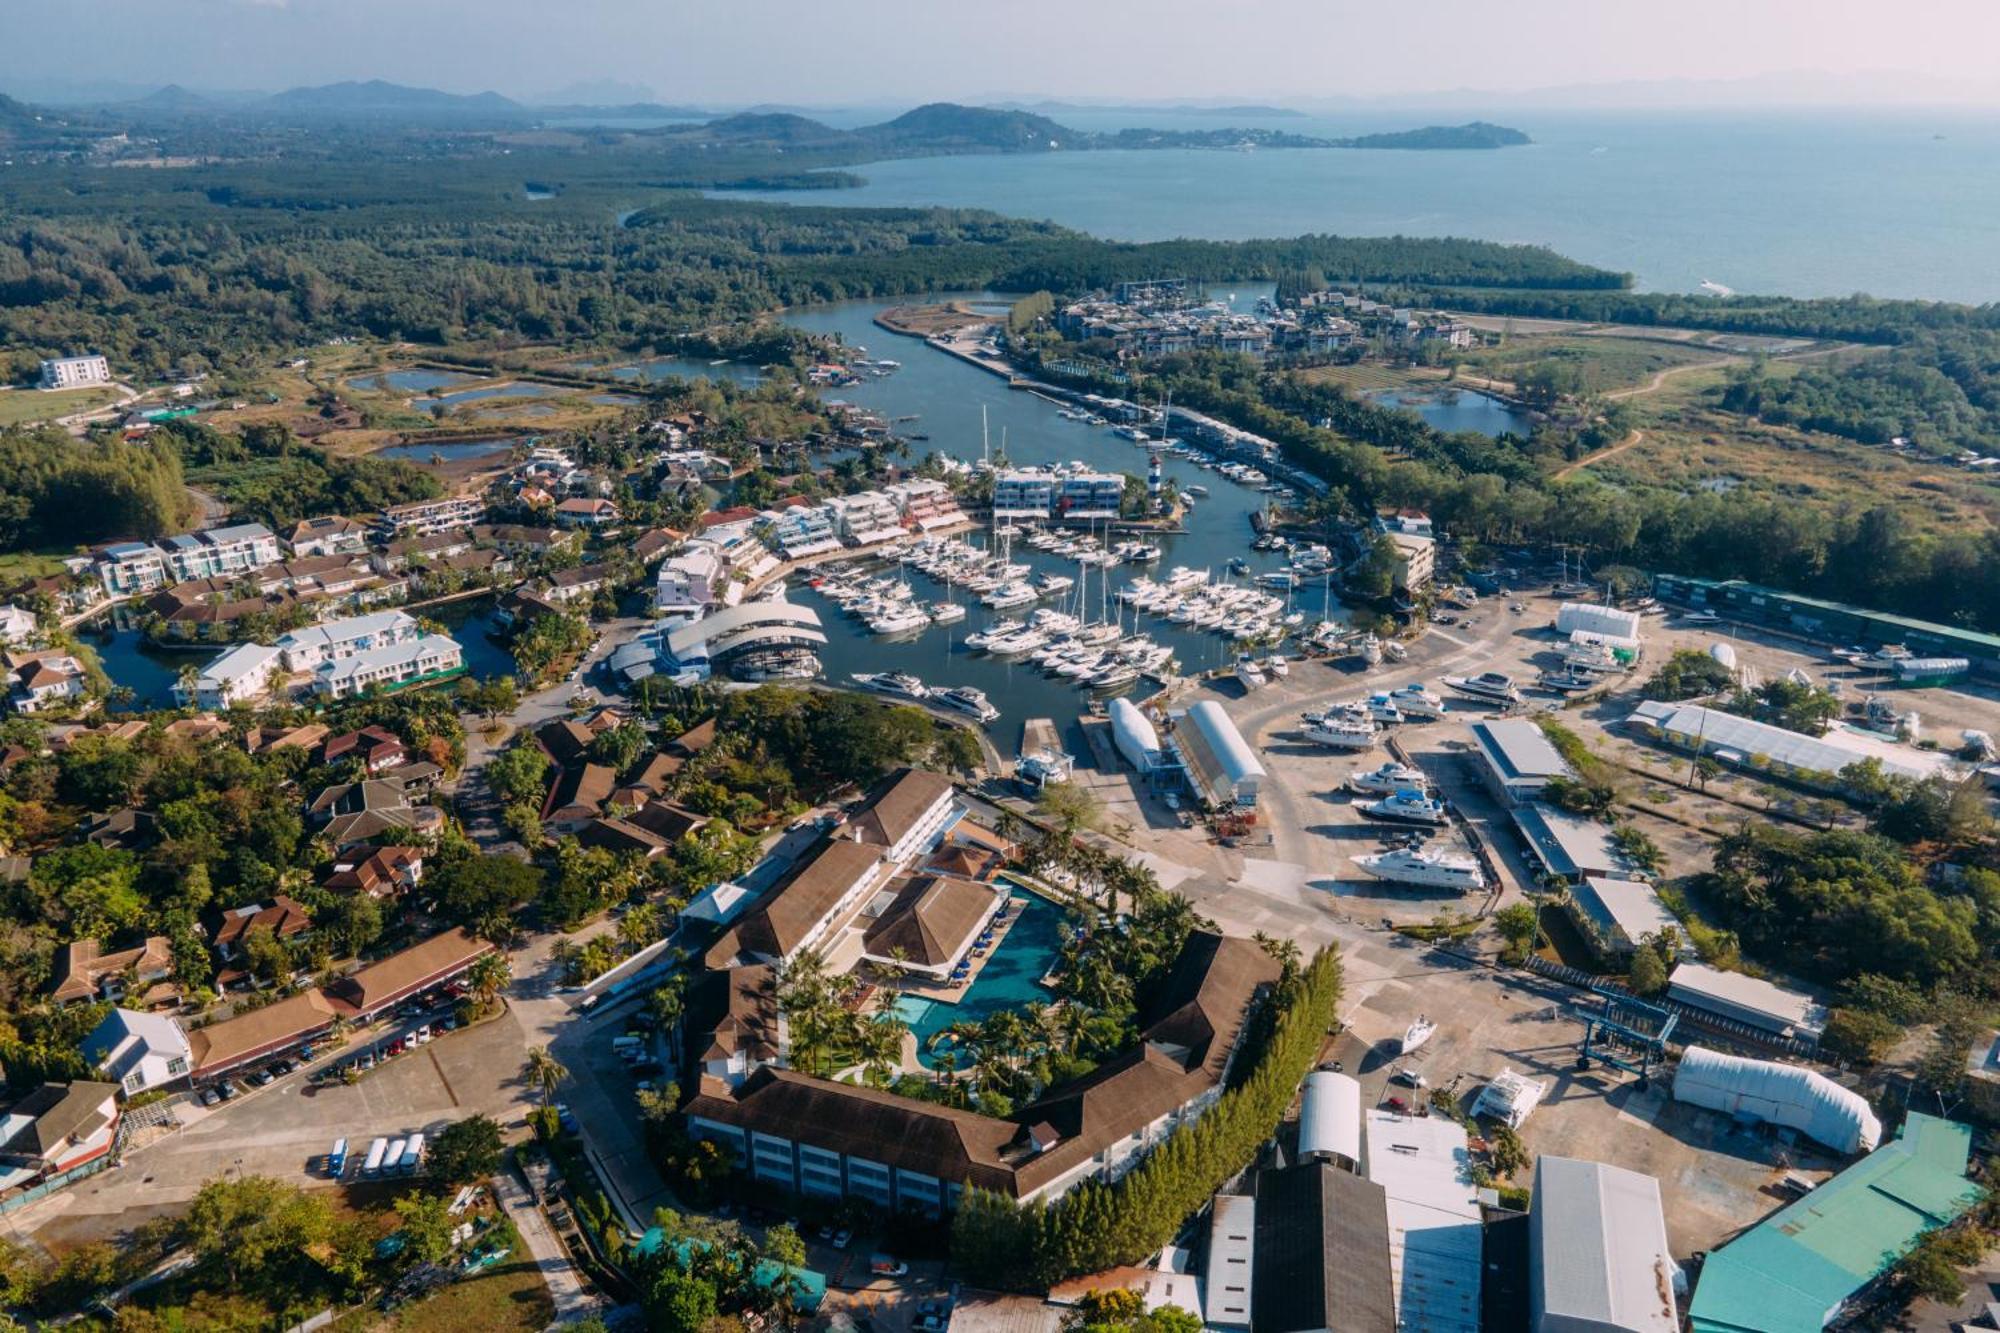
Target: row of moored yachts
pixel 1187 597
pixel 1100 656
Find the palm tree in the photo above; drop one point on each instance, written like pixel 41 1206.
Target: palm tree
pixel 488 976
pixel 543 1071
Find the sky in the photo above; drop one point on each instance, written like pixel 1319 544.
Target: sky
pixel 886 52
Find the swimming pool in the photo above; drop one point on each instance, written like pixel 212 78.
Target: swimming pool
pixel 1011 979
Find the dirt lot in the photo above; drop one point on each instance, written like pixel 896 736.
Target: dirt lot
pixel 1714 1178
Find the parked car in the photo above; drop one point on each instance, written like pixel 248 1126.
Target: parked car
pixel 209 1096
pixel 932 1323
pixel 228 1090
pixel 887 1265
pixel 842 1238
pixel 282 1067
pixel 259 1077
pixel 1410 1078
pixel 423 1034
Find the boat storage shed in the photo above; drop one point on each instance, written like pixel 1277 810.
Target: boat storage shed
pixel 1606 622
pixel 1436 1237
pixel 1134 736
pixel 1748 1000
pixel 1330 1118
pixel 1517 758
pixel 1617 914
pixel 1793 1271
pixel 1220 763
pixel 1791 1096
pixel 1598 1245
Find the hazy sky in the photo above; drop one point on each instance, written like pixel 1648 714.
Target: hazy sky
pixel 893 51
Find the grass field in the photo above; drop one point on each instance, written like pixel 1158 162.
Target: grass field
pixel 1367 376
pixel 20 407
pixel 1605 363
pixel 509 1299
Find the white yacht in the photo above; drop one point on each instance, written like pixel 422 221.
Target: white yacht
pixel 1381 709
pixel 1408 806
pixel 1428 869
pixel 1370 649
pixel 965 699
pixel 1415 701
pixel 1416 1034
pixel 898 683
pixel 899 620
pixel 1250 673
pixel 999 629
pixel 1339 731
pixel 1488 685
pixel 1389 779
pixel 1010 594
pixel 947 613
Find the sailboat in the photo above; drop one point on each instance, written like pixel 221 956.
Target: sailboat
pixel 1416 1034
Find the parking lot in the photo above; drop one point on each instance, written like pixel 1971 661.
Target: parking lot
pixel 285 1129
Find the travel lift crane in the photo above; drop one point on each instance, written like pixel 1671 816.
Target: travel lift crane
pixel 1627 1033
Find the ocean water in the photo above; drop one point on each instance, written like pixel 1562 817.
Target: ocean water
pixel 1900 203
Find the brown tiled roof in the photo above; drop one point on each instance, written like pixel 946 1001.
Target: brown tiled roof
pixel 378 873
pixel 284 917
pixel 694 740
pixel 85 963
pixel 664 819
pixel 652 542
pixel 262 1031
pixel 654 773
pixel 367 742
pixel 280 738
pixel 400 975
pixel 581 574
pixel 616 835
pixel 566 738
pixel 901 804
pixel 717 518
pixel 581 787
pixel 782 919
pixel 932 919
pixel 1182 1051
pixel 732 1010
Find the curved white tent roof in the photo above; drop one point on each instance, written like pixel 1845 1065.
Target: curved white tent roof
pixel 1778 1094
pixel 1330 1116
pixel 710 629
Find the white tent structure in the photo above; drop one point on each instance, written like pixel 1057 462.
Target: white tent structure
pixel 1330 1117
pixel 1778 1094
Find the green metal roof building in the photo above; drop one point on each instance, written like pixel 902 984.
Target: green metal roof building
pixel 1830 622
pixel 1793 1271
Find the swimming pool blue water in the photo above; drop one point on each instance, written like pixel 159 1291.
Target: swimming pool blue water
pixel 1011 978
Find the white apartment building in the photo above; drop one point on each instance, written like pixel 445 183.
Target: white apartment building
pixel 238 676
pixel 421 516
pixel 131 567
pixel 220 553
pixel 431 657
pixel 309 648
pixel 690 583
pixel 867 519
pixel 331 534
pixel 17 624
pixel 73 372
pixel 927 504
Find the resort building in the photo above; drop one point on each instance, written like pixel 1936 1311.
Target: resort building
pixel 578 583
pixel 867 519
pixel 453 511
pixel 238 676
pixel 586 513
pixel 50 1135
pixel 220 553
pixel 801 531
pixel 824 1139
pixel 927 504
pixel 1794 1271
pixel 1045 495
pixel 85 972
pixel 690 583
pixel 138 1051
pixel 420 661
pixel 330 534
pixel 17 624
pixel 824 888
pixel 1517 758
pixel 1597 1242
pixel 125 568
pixel 925 923
pixel 1751 1002
pixel 74 372
pixel 38 681
pixel 312 647
pixel 1416 562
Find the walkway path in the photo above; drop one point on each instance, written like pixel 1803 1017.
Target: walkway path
pixel 573 1298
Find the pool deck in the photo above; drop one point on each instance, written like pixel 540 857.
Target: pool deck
pixel 952 992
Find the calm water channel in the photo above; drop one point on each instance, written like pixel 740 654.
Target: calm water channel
pixel 946 396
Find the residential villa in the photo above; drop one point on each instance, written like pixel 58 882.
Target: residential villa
pixel 84 972
pixel 421 661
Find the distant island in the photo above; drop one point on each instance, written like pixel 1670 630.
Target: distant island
pixel 1473 134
